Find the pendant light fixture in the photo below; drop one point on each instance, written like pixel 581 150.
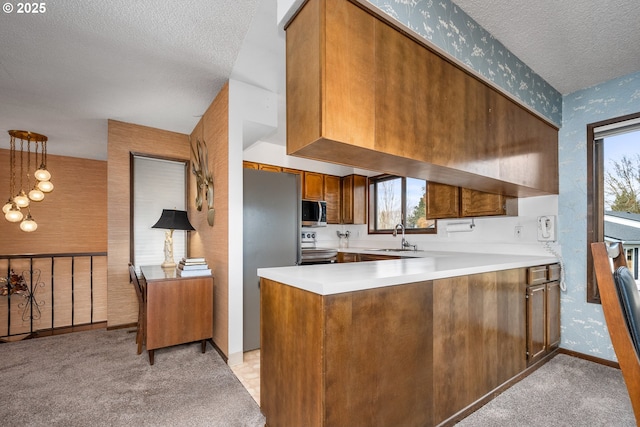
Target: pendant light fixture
pixel 41 185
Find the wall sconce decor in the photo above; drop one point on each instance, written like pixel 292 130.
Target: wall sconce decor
pixel 170 220
pixel 200 168
pixel 41 183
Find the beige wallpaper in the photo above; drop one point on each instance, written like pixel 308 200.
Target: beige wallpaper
pixel 124 139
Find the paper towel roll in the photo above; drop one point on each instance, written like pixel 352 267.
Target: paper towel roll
pixel 460 227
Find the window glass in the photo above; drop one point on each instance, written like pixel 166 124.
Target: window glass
pixel 157 184
pixel 416 206
pixel 396 200
pixel 388 203
pixel 613 158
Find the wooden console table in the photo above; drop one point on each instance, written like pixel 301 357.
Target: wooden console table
pixel 179 309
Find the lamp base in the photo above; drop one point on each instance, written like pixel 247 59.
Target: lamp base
pixel 168 250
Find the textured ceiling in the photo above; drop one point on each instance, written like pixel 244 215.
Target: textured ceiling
pixel 160 63
pixel 154 63
pixel 571 44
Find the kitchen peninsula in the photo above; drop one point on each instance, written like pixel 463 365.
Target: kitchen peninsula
pixel 413 341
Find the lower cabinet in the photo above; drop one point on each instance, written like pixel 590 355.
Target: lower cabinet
pixel 543 311
pixel 417 354
pixel 357 257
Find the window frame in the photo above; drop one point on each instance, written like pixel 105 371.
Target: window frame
pixel 132 200
pixel 595 195
pixel 372 226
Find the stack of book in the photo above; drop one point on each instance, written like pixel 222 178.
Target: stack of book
pixel 188 267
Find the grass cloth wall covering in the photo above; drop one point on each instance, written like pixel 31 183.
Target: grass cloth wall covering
pixel 123 139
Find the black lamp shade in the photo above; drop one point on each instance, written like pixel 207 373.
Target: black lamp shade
pixel 172 219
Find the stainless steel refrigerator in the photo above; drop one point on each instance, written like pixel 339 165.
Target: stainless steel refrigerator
pixel 271 237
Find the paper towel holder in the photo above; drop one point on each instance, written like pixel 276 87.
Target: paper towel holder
pixel 458 227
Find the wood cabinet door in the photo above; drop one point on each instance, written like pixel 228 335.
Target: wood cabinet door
pixel 270 168
pixel 478 203
pixel 536 322
pixel 313 186
pixel 332 197
pixel 347 257
pixel 553 314
pixel 372 257
pixel 347 199
pixel 354 199
pixel 250 165
pixel 443 201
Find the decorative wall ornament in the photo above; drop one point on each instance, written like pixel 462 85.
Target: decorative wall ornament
pixel 204 180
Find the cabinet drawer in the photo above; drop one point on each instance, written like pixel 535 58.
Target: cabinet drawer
pixel 536 275
pixel 554 272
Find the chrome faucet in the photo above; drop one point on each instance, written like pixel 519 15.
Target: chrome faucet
pixel 403 244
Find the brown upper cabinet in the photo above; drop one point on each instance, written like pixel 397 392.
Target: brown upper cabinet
pixel 346 197
pixel 270 168
pixel 313 187
pixel 447 201
pixel 443 201
pixel 362 92
pixel 332 197
pixel 250 165
pixel 478 203
pixel 354 199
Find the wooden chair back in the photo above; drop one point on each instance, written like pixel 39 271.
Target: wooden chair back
pixel 141 292
pixel 136 283
pixel 620 329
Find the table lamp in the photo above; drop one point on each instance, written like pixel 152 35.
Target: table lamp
pixel 170 220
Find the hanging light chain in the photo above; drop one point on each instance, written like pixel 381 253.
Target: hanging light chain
pixel 12 166
pixel 18 199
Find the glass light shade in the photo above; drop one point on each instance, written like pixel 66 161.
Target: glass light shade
pixel 21 200
pixel 28 224
pixel 7 206
pixel 36 194
pixel 42 174
pixel 13 215
pixel 45 186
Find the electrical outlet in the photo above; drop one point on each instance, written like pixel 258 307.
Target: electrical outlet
pixel 547 228
pixel 518 232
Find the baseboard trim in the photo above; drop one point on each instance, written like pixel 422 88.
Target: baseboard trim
pixel 215 346
pixel 462 414
pixel 69 329
pixel 590 358
pixel 123 326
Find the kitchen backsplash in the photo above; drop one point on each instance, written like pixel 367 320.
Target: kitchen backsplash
pixel 495 234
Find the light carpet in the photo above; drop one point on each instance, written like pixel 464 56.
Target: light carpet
pixel 95 378
pixel 566 391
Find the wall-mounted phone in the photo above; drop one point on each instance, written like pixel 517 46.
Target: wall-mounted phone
pixel 547 228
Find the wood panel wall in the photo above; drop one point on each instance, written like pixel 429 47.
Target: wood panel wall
pixel 123 139
pixel 72 218
pixel 213 242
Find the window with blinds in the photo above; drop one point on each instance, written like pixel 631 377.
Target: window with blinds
pixel 157 184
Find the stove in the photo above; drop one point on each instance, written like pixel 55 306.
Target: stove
pixel 314 255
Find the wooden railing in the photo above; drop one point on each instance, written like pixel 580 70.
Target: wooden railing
pixel 55 291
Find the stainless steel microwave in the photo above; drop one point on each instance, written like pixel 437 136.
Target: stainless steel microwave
pixel 314 213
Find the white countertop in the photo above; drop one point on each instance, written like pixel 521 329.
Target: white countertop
pixel 328 279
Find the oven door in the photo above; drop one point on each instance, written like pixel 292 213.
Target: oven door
pixel 318 256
